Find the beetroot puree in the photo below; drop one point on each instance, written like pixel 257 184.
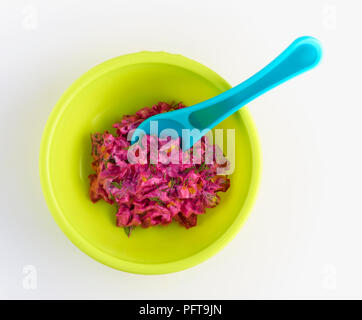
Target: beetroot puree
pixel 153 194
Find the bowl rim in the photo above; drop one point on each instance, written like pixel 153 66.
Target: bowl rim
pixel 55 208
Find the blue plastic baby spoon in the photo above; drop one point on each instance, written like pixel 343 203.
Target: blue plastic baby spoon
pixel 303 54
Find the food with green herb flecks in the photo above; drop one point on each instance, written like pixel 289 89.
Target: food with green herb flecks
pixel 148 194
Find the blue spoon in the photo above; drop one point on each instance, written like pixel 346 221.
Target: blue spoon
pixel 301 55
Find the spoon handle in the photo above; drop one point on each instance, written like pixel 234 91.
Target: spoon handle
pixel 301 55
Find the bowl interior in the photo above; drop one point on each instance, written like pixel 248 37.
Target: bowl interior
pixel 93 104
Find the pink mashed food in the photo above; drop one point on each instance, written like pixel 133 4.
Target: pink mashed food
pixel 153 194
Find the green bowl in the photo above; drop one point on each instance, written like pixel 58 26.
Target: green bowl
pixel 93 103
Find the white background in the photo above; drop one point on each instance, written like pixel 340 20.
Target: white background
pixel 303 237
